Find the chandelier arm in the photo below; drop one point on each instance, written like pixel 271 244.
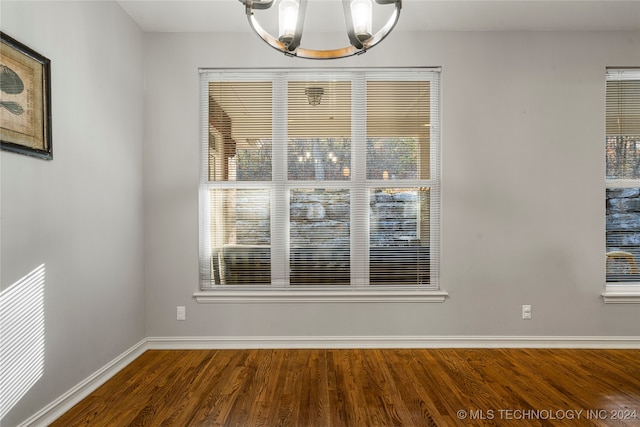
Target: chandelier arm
pixel 259 4
pixel 342 52
pixel 388 27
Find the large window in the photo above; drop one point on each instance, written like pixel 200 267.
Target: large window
pixel 623 177
pixel 320 179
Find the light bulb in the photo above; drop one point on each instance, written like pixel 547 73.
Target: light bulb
pixel 287 18
pixel 362 15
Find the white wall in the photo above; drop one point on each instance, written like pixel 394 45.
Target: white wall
pixel 523 187
pixel 80 214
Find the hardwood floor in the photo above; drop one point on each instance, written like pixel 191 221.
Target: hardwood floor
pixel 408 387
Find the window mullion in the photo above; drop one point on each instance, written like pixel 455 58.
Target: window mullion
pixel 203 194
pixel 279 192
pixel 359 222
pixel 434 199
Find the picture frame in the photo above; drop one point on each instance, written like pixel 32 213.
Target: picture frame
pixel 25 100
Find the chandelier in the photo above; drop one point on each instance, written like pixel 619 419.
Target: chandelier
pixel 358 17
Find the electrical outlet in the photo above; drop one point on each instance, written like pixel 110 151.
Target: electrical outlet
pixel 181 313
pixel 526 312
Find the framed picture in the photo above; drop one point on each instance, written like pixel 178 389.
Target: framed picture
pixel 25 100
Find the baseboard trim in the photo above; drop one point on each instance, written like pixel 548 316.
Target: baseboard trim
pixel 58 407
pixel 252 342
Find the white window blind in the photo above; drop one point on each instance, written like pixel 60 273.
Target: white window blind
pixel 623 175
pixel 319 179
pixel 399 172
pixel 623 102
pixel 319 144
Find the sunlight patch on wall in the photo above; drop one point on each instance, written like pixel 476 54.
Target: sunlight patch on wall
pixel 21 337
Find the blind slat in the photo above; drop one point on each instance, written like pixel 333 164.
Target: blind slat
pixel 623 102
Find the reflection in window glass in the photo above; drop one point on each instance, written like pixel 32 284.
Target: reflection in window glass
pixel 242 216
pixel 320 237
pixel 399 236
pixel 240 236
pixel 319 130
pixel 240 150
pixel 623 157
pixel 319 159
pixel 398 129
pixel 623 234
pixel 392 158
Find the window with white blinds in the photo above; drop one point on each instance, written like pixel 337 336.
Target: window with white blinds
pixel 320 179
pixel 623 176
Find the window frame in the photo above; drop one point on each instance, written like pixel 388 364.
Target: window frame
pixel 280 290
pixel 621 292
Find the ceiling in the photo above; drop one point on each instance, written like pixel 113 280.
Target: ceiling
pixel 417 15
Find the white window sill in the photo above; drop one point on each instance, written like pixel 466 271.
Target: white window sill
pixel 314 295
pixel 622 294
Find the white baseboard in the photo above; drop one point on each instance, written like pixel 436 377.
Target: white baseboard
pixel 252 342
pixel 58 407
pixel 65 402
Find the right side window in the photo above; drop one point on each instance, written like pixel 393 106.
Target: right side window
pixel 623 177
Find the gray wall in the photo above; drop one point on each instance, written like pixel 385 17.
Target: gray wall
pixel 82 213
pixel 522 187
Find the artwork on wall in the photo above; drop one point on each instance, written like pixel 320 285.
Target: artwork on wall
pixel 25 100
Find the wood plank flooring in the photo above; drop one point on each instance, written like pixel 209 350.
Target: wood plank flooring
pixel 372 387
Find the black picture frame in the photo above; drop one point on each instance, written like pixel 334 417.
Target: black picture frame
pixel 25 100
